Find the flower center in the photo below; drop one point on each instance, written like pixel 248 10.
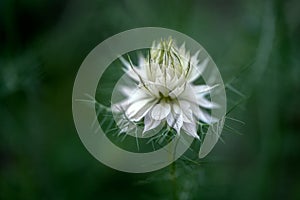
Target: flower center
pixel 164 98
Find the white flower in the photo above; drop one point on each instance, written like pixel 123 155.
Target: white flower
pixel 165 91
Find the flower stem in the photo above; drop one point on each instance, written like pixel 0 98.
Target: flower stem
pixel 174 181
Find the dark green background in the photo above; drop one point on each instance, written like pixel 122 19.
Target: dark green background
pixel 254 43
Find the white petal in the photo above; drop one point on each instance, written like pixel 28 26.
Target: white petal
pixel 162 89
pixel 175 121
pixel 176 109
pixel 125 63
pixel 128 69
pixel 196 111
pixel 194 59
pixel 139 109
pixel 188 94
pixel 200 89
pixel 134 72
pixel 150 123
pixel 185 111
pixel 207 118
pixel 190 129
pixel 182 49
pixel 160 80
pixel 142 60
pixel 138 95
pixel 151 89
pixel 176 92
pixel 160 111
pixel 187 116
pixel 127 91
pixel 173 83
pixel 170 72
pixel 197 70
pixel 184 105
pixel 203 102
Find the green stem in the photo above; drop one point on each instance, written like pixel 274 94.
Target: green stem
pixel 174 181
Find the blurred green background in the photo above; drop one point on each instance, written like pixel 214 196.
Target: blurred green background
pixel 254 43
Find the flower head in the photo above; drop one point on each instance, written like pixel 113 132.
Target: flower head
pixel 165 92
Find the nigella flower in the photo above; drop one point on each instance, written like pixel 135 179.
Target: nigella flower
pixel 165 92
